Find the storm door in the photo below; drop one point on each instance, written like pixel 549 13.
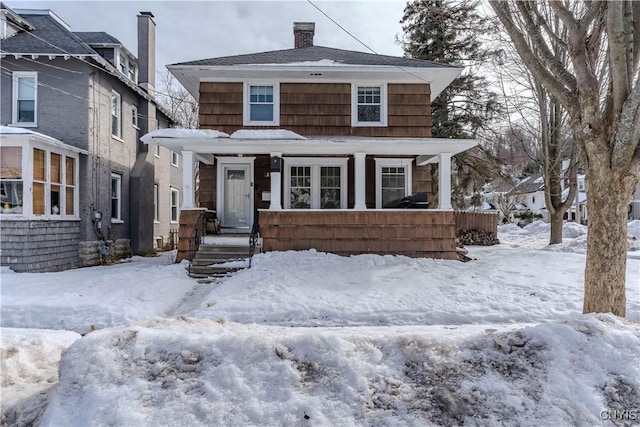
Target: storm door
pixel 236 200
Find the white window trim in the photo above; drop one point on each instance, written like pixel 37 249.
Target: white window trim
pixel 246 104
pixel 157 151
pixel 383 106
pixel 118 137
pixel 175 155
pixel 16 78
pixel 118 217
pixel 177 206
pixel 315 163
pixel 383 162
pixel 128 64
pixel 134 117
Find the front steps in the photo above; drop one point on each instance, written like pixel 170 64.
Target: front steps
pixel 213 261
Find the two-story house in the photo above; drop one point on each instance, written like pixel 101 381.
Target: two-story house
pixel 78 185
pixel 311 143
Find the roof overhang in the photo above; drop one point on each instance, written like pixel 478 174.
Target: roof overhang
pixel 190 76
pixel 11 135
pixel 325 145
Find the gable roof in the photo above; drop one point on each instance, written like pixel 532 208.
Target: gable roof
pixel 49 36
pixel 315 54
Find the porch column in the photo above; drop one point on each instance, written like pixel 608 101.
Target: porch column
pixel 444 181
pixel 187 180
pixel 276 182
pixel 360 181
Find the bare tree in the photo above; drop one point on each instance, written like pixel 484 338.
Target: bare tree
pixel 506 204
pixel 600 90
pixel 175 98
pixel 540 116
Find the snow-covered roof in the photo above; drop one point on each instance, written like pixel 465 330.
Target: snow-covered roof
pixel 265 141
pixel 186 133
pixel 7 133
pixel 265 134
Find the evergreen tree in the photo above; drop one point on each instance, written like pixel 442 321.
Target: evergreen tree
pixel 450 32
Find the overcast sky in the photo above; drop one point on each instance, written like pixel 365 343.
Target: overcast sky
pixel 189 30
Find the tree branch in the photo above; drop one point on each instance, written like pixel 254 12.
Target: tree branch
pixel 618 60
pixel 537 67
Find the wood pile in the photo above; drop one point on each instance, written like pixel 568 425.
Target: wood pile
pixel 475 238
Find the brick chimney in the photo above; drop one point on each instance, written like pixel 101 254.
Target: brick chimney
pixel 147 52
pixel 303 33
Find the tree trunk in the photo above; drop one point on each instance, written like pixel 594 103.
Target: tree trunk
pixel 556 220
pixel 605 273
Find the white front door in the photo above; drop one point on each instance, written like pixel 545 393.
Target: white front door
pixel 237 196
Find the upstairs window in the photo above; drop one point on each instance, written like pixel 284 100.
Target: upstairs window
pixel 174 159
pixel 134 116
pixel 25 96
pixel 116 115
pixel 261 105
pixel 126 66
pixel 369 105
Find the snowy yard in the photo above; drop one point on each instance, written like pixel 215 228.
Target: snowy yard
pixel 308 338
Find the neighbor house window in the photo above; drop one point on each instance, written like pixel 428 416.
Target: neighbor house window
pixel 156 212
pixel 116 196
pixel 134 116
pixel 116 114
pixel 261 104
pixel 51 174
pixel 25 96
pixel 315 183
pixel 174 159
pixel 175 200
pixel 369 105
pixel 11 183
pixel 393 180
pixel 126 66
pixel 157 151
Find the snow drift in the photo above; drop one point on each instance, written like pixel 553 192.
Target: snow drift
pixel 200 372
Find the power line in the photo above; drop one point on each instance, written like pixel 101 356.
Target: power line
pixel 383 57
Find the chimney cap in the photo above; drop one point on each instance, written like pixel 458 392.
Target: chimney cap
pixel 147 14
pixel 304 26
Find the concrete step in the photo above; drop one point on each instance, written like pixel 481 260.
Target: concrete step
pixel 217 249
pixel 202 271
pixel 213 261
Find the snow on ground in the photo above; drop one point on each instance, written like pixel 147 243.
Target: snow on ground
pixel 30 360
pixel 378 340
pixel 84 299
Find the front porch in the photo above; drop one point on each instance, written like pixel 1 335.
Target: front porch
pixel 323 193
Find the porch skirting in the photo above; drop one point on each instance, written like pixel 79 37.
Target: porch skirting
pixel 413 233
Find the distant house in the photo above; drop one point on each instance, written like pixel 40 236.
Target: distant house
pixel 530 194
pixel 77 184
pixel 311 143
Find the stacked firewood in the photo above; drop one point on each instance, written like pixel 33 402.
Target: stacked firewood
pixel 475 238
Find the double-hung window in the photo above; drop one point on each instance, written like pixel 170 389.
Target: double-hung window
pixel 315 183
pixel 116 114
pixel 393 180
pixel 25 97
pixel 261 104
pixel 134 116
pixel 368 105
pixel 175 200
pixel 116 196
pixel 174 159
pixel 156 198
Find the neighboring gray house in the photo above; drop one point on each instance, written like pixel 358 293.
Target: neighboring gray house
pixel 93 188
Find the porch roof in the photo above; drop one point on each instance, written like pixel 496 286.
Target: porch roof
pixel 11 134
pixel 214 142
